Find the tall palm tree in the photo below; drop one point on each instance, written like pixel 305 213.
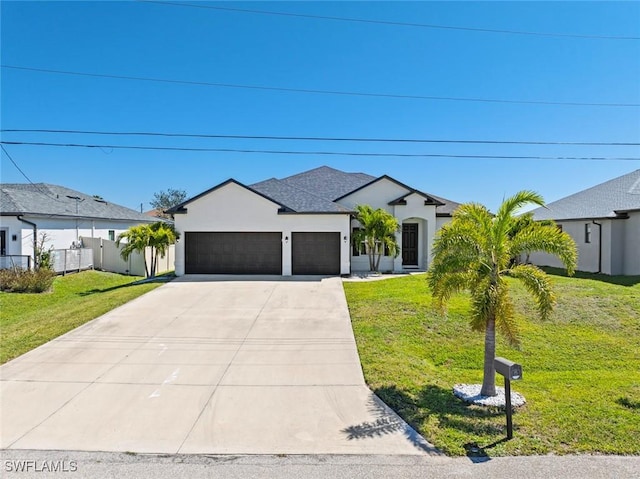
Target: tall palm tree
pixel 474 253
pixel 378 232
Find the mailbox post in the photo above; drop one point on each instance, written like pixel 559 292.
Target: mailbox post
pixel 510 371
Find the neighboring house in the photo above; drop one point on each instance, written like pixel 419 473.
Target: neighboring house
pixel 604 221
pixel 301 224
pixel 155 213
pixel 65 216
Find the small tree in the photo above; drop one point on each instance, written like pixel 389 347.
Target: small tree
pixel 163 200
pixel 43 256
pixel 157 236
pixel 474 252
pixel 378 232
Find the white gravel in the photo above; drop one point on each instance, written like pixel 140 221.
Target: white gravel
pixel 471 393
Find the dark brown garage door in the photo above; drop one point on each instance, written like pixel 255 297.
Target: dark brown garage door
pixel 233 253
pixel 315 253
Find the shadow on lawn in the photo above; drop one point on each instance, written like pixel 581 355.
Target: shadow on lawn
pixel 619 280
pixel 628 403
pixel 106 290
pixel 436 404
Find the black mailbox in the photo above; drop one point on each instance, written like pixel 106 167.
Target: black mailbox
pixel 508 369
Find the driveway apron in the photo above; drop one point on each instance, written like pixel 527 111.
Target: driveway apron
pixel 206 365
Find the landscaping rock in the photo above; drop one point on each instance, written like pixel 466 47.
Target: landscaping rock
pixel 471 393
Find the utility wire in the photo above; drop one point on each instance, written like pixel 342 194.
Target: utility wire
pixel 16 165
pixel 334 153
pixel 316 91
pixel 44 192
pixel 319 138
pixel 388 22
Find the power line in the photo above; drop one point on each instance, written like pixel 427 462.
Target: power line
pixel 332 153
pixel 25 175
pixel 16 165
pixel 392 23
pixel 318 138
pixel 316 91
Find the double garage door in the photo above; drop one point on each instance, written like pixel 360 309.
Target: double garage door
pixel 260 253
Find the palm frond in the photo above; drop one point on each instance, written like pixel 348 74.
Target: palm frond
pixel 505 315
pixel 538 283
pixel 511 205
pixel 547 239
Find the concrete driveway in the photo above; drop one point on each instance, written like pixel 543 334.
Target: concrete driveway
pixel 210 365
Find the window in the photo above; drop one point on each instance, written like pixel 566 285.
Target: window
pixel 559 227
pixel 358 248
pixel 587 233
pixel 112 235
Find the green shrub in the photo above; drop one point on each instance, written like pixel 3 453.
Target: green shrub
pixel 16 280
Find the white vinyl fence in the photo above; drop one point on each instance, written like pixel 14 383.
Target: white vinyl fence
pixel 106 256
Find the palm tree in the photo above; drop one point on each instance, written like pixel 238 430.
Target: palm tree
pixel 474 253
pixel 157 236
pixel 378 233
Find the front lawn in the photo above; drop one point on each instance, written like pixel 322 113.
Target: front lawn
pixel 581 369
pixel 29 320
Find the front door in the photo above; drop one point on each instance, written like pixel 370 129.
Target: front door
pixel 410 244
pixel 3 242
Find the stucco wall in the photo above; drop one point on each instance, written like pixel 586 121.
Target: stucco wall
pixel 234 208
pixel 12 226
pixel 377 195
pixel 61 233
pixel 587 252
pixel 620 246
pixel 631 261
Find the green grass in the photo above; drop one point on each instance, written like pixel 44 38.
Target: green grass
pixel 581 368
pixel 29 320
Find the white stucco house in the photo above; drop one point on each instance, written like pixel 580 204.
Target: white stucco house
pixel 65 215
pixel 301 224
pixel 604 221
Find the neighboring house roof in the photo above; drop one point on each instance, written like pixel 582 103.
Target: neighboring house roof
pixel 57 201
pixel 318 190
pixel 606 200
pixel 153 213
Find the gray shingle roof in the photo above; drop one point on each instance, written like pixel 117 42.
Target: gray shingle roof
pixel 601 201
pixel 328 182
pixel 315 191
pixel 447 208
pixel 54 200
pixel 296 199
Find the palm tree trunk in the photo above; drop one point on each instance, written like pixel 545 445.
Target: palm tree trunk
pixel 372 264
pixel 489 380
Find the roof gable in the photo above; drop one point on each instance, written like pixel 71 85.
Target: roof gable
pixel 443 206
pixel 181 208
pixel 605 200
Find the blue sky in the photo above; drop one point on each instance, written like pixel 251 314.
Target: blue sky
pixel 216 46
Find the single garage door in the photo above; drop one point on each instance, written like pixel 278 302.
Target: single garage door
pixel 233 253
pixel 315 253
